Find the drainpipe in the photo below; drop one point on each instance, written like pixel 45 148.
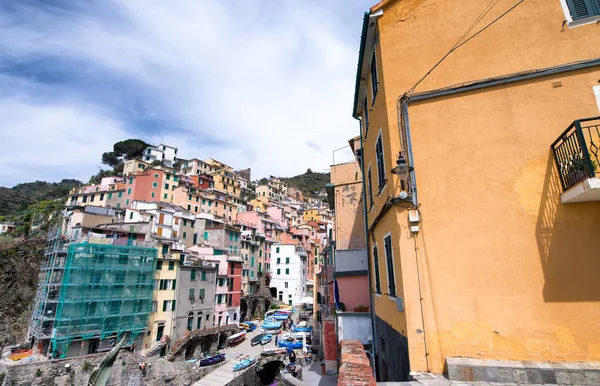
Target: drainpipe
pixel 364 194
pixel 404 128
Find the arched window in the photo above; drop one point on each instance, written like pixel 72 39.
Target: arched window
pixel 190 322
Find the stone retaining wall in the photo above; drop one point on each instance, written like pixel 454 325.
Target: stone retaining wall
pixel 356 368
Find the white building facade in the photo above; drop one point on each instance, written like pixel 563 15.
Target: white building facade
pixel 288 273
pixel 164 153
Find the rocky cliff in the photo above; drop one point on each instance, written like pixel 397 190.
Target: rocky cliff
pixel 19 267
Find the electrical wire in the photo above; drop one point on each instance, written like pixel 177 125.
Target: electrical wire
pixel 458 44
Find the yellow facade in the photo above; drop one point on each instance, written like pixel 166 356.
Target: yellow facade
pixel 505 270
pixel 311 215
pixel 226 181
pixel 160 318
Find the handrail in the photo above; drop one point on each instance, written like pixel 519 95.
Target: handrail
pixel 573 152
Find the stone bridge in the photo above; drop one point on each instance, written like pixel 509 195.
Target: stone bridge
pixel 196 342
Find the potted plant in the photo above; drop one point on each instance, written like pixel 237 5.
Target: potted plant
pixel 323 368
pixel 361 308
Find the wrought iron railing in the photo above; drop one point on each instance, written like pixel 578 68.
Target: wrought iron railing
pixel 576 151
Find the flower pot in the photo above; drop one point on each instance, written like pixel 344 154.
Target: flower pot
pixel 323 368
pixel 361 309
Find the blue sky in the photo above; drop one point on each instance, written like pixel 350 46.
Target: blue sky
pixel 260 84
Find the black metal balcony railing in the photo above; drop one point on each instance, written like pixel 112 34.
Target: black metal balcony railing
pixel 576 151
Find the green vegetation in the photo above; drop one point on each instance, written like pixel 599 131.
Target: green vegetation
pixel 86 366
pixel 310 182
pixel 122 151
pixel 33 202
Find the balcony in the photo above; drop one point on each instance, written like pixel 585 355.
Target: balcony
pixel 576 153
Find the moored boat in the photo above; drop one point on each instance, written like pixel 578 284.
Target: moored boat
pixel 236 339
pixel 271 324
pixel 292 343
pixel 211 360
pixel 243 364
pixel 274 351
pixel 266 339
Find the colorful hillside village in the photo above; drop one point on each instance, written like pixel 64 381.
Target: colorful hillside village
pixel 183 241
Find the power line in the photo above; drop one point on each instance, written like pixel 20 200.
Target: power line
pixel 458 44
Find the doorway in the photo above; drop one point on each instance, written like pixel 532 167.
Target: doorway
pixel 160 332
pixel 93 346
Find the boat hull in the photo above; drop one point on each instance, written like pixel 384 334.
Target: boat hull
pixel 243 364
pixel 212 360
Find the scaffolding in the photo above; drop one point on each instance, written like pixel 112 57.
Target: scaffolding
pixel 91 290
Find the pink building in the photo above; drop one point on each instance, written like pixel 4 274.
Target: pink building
pixel 277 214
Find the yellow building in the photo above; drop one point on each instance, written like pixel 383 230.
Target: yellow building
pixel 163 299
pixel 260 204
pixel 488 260
pixel 311 215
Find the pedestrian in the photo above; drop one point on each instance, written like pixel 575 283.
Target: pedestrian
pixel 276 339
pixel 292 357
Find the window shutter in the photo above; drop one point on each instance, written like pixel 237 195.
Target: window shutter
pixel 165 305
pixel 376 266
pixel 390 264
pixel 174 282
pixel 581 9
pixel 173 307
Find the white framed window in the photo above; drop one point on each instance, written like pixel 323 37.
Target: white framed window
pixel 389 262
pixel 380 157
pixel 376 269
pixel 580 12
pixel 370 187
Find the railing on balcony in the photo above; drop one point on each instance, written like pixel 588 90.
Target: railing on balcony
pixel 576 151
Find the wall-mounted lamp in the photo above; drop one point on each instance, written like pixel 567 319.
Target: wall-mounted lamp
pixel 402 167
pixel 402 170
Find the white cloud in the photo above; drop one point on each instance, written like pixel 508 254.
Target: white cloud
pixel 253 86
pixel 57 140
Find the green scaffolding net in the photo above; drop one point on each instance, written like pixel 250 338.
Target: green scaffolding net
pixel 106 291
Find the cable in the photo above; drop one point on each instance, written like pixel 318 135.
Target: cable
pixel 458 45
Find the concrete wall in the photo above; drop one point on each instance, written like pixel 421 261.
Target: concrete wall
pixel 355 325
pixel 507 271
pixel 354 291
pixel 349 213
pixel 350 261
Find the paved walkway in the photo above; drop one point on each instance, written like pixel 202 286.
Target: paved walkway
pixel 224 374
pixel 311 375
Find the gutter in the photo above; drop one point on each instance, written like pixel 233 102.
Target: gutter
pixel 404 127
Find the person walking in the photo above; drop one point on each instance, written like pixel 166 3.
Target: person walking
pixel 276 339
pixel 292 357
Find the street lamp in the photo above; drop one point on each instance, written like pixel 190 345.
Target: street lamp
pixel 402 167
pixel 402 170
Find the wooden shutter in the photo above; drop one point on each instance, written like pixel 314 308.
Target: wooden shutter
pixel 580 9
pixel 390 266
pixel 165 305
pixel 376 267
